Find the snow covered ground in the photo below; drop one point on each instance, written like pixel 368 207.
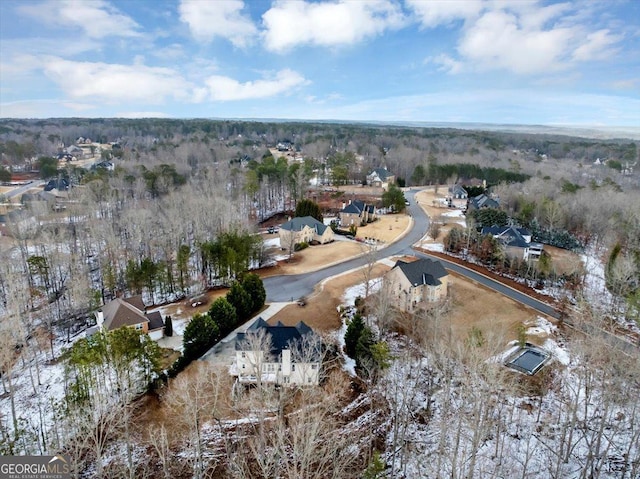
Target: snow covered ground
pixel 457 216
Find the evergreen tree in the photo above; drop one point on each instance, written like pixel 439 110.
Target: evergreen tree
pixel 168 326
pixel 253 285
pixel 308 208
pixel 5 175
pixel 352 335
pixel 199 335
pixel 224 315
pixel 240 300
pixel 393 197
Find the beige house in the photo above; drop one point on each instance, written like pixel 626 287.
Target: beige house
pixel 417 284
pixel 288 355
pixel 130 312
pixel 357 213
pixel 305 229
pixel 380 177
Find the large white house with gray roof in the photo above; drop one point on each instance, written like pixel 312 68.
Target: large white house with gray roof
pixel 288 355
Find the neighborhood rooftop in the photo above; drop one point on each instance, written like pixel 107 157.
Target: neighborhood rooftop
pixel 282 337
pixel 422 271
pixel 298 223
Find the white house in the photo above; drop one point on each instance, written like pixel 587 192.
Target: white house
pixel 278 354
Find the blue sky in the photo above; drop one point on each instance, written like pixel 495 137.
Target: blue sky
pixel 488 61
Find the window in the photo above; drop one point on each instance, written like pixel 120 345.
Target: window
pixel 139 327
pixel 314 366
pixel 243 355
pixel 293 367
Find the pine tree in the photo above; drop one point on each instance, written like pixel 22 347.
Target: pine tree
pixel 240 300
pixel 224 315
pixel 351 337
pixel 253 285
pixel 199 335
pixel 168 326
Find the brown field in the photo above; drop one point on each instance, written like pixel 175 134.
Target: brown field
pixel 474 305
pixel 564 261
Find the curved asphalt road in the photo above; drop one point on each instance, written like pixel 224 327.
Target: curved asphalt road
pixel 292 287
pixel 288 287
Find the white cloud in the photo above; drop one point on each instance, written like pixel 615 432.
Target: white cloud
pixel 498 40
pixel 446 63
pixel 627 84
pixel 222 18
pixel 292 23
pixel 222 88
pixel 483 106
pixel 435 13
pixel 115 83
pixel 597 46
pixel 97 18
pixel 524 38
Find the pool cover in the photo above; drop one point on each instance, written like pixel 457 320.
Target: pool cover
pixel 528 360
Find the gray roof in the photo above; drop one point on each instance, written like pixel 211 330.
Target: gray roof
pixel 507 235
pixel 483 201
pixel 297 224
pixel 155 321
pixel 282 337
pixel 351 208
pixel 422 271
pixel 383 173
pixel 458 190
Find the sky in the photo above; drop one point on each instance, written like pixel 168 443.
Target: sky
pixel 481 61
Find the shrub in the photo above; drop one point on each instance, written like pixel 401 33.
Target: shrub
pixel 300 246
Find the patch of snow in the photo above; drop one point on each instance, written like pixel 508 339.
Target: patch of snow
pixel 594 282
pixel 558 352
pixel 540 326
pixel 438 247
pixel 349 364
pixel 272 243
pixel 350 294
